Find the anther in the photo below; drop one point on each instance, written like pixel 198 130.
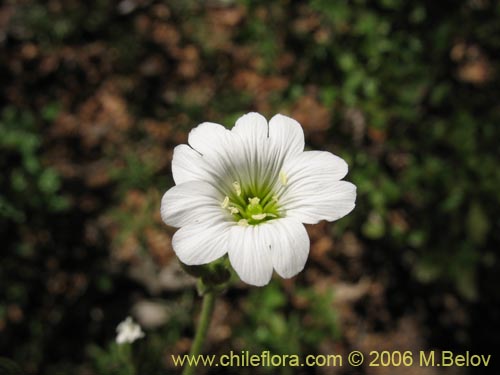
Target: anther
pixel 237 188
pixel 225 202
pixel 254 201
pixel 283 178
pixel 259 216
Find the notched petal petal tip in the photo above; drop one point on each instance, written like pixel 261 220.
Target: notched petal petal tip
pixel 331 202
pixel 187 165
pixel 315 191
pixel 252 127
pixel 249 254
pixel 208 138
pixel 291 247
pixel 254 251
pixel 190 202
pixel 198 244
pixel 286 135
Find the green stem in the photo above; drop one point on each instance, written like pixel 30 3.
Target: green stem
pixel 125 352
pixel 205 318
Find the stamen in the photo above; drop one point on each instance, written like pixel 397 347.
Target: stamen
pixel 283 178
pixel 243 223
pixel 237 188
pixel 254 201
pixel 225 202
pixel 259 216
pixel 233 210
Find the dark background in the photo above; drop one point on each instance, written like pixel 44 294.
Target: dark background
pixel 93 98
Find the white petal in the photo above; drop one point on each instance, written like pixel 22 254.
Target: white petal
pixel 209 138
pixel 313 192
pixel 250 152
pixel 290 246
pixel 252 126
pixel 286 136
pixel 203 243
pixel 250 254
pixel 321 201
pixel 315 164
pixel 219 154
pixel 191 202
pixel 188 165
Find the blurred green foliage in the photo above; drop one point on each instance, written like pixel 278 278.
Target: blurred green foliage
pixel 23 174
pixel 270 325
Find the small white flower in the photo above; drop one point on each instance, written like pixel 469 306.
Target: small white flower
pixel 247 192
pixel 128 331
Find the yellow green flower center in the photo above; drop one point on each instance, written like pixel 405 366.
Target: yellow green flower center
pixel 250 208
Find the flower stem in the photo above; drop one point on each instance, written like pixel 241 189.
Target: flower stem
pixel 205 318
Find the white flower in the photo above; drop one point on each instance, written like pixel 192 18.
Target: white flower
pixel 247 192
pixel 128 331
